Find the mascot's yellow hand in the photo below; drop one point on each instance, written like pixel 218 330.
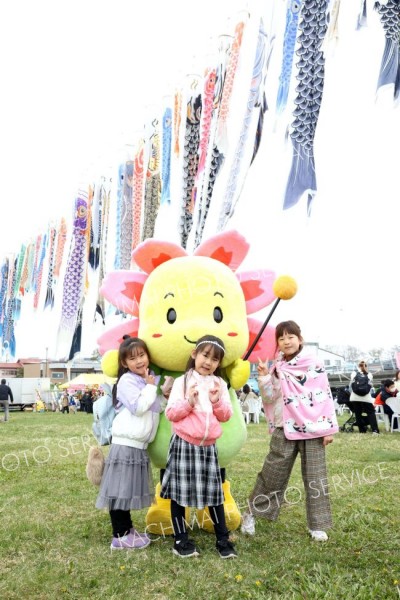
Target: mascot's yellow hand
pixel 238 373
pixel 109 363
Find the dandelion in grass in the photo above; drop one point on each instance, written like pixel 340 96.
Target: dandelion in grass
pixel 258 583
pixel 238 578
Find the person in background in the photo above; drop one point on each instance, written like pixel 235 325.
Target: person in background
pixel 255 408
pixel 397 381
pixel 87 401
pixel 363 404
pixel 389 390
pixel 244 403
pixel 54 401
pixel 72 404
pixel 65 403
pixel 5 394
pixel 248 403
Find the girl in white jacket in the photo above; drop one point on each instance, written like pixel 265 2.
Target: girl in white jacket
pixel 126 483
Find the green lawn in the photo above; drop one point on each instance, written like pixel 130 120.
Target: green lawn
pixel 55 544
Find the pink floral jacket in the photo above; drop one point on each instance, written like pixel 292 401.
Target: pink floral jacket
pixel 296 396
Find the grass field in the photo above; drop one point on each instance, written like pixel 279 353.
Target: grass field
pixel 55 544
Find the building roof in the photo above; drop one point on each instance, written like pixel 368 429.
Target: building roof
pixel 86 364
pixel 29 361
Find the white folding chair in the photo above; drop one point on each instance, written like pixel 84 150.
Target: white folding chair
pixel 394 404
pixel 338 407
pixel 246 417
pixel 381 417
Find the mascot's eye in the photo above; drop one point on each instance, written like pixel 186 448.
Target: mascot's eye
pixel 218 316
pixel 171 315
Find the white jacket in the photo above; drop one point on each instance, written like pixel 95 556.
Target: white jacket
pixel 138 412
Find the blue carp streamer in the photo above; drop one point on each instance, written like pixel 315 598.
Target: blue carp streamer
pixel 289 42
pixel 310 78
pixel 389 74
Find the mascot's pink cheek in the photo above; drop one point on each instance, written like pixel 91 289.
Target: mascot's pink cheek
pixel 157 335
pixel 232 334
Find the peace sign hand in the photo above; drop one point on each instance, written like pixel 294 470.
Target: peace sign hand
pixel 149 378
pixel 262 367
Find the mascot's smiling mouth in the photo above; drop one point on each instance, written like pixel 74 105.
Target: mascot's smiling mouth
pixel 190 341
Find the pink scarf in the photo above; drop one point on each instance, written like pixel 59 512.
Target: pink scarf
pixel 308 409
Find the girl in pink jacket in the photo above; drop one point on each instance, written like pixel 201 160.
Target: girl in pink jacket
pixel 299 408
pixel 198 403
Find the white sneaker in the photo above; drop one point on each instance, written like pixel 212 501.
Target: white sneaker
pixel 318 536
pixel 248 524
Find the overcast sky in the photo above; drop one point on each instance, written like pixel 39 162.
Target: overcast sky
pixel 78 79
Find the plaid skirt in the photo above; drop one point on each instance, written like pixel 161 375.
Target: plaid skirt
pixel 192 476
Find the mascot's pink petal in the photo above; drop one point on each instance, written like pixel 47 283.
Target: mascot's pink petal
pixel 229 247
pixel 111 340
pixel 123 289
pixel 151 253
pixel 266 345
pixel 257 288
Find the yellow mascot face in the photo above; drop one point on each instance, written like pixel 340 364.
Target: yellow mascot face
pixel 186 298
pixel 174 299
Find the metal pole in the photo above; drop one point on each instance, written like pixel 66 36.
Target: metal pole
pixel 259 334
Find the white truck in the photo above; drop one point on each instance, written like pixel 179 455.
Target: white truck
pixel 25 390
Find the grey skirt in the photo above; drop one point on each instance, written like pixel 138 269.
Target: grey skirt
pixel 127 480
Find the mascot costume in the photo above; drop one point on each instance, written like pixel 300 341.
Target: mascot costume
pixel 174 299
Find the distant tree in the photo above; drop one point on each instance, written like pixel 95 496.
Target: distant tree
pixel 376 353
pixel 352 353
pixel 95 355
